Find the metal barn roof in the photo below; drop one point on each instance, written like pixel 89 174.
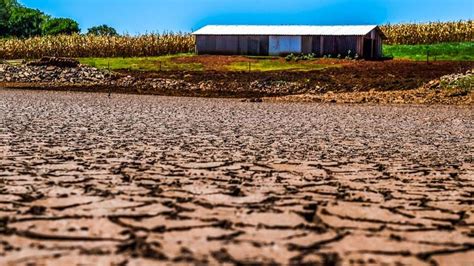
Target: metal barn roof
pixel 284 30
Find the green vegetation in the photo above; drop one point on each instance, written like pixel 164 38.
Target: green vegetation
pixel 6 7
pixel 300 57
pixel 463 51
pixel 102 30
pixel 58 26
pixel 142 63
pixel 25 22
pixel 19 21
pixel 274 65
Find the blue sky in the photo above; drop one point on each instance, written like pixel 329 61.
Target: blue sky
pixel 141 16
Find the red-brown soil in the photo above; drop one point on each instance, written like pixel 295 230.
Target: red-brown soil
pixel 143 180
pixel 349 77
pixel 356 77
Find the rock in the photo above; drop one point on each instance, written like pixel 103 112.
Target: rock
pixel 32 73
pixel 448 81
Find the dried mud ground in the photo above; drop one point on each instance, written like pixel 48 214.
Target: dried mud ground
pixel 138 180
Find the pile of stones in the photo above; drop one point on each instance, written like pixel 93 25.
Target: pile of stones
pixel 65 72
pixel 57 70
pixel 452 80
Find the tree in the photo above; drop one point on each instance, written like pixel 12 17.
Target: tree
pixel 19 21
pixel 6 7
pixel 102 30
pixel 25 22
pixel 57 26
pixel 11 4
pixel 4 15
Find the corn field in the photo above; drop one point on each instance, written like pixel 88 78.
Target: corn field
pixel 429 33
pixel 173 43
pixel 97 46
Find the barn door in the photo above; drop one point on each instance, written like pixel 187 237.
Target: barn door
pixel 316 47
pixel 368 48
pixel 307 44
pixel 283 45
pixel 376 54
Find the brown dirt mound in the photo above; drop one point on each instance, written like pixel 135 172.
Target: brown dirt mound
pixel 354 76
pixel 419 96
pixel 399 77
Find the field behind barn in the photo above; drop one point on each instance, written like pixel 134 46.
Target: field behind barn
pixel 448 40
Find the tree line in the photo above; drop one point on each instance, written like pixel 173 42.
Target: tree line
pixel 19 21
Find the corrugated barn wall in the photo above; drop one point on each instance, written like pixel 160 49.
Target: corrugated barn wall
pixel 232 45
pixel 368 46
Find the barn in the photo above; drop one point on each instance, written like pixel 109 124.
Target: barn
pixel 365 40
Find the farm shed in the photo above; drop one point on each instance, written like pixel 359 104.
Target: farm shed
pixel 366 41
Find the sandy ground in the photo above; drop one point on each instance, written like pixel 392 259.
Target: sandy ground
pixel 138 180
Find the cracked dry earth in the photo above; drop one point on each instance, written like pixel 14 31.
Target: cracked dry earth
pixel 138 180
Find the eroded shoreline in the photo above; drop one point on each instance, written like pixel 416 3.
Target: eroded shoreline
pixel 356 82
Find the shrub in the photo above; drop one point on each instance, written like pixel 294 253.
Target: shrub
pixel 349 55
pixel 57 26
pixel 102 30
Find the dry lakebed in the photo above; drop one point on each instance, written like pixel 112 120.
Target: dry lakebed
pixel 138 180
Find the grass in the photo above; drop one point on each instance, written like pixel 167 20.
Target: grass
pixel 169 62
pixel 463 51
pixel 142 63
pixel 274 65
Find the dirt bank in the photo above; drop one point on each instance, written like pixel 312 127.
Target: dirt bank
pixel 353 81
pixel 350 77
pixel 418 96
